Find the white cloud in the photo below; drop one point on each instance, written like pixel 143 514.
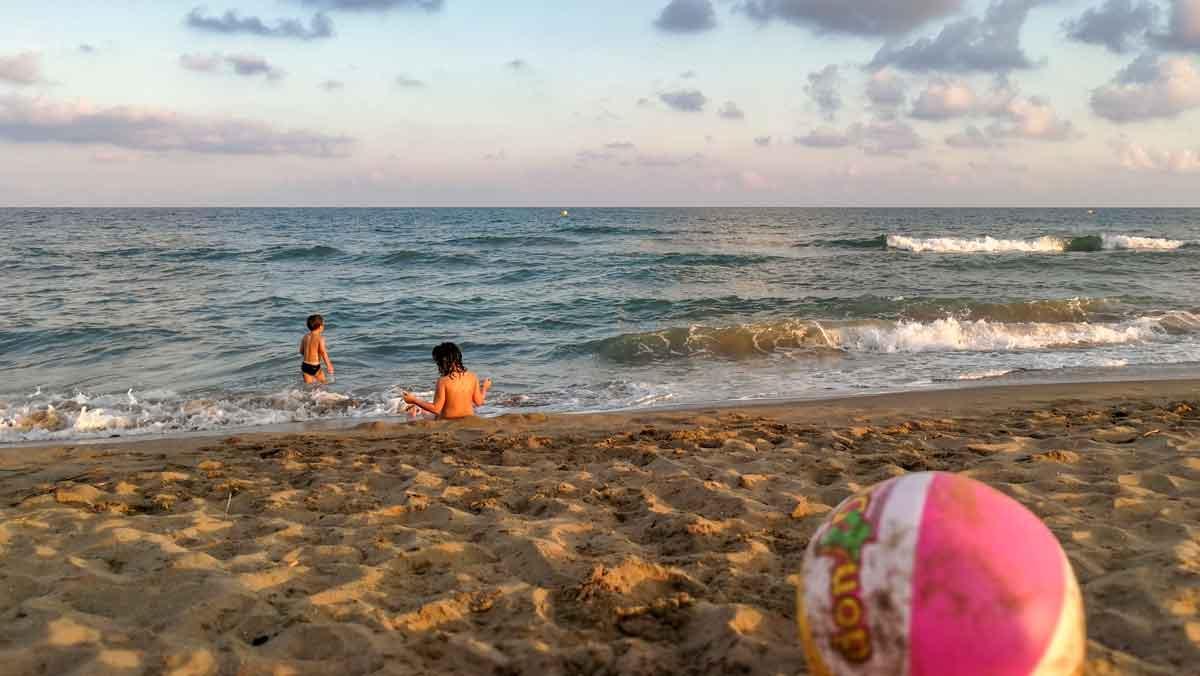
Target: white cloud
pixel 878 137
pixel 1136 157
pixel 945 99
pixel 25 120
pixel 21 69
pixel 1031 118
pixel 245 65
pixel 885 88
pixel 1013 116
pixel 1150 88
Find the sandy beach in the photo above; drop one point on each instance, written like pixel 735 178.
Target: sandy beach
pixel 648 543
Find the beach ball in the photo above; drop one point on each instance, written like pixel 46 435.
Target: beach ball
pixel 935 573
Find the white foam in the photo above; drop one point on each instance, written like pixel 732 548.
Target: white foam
pixel 93 420
pixel 953 335
pixel 1047 244
pixel 976 245
pixel 986 375
pixel 1141 243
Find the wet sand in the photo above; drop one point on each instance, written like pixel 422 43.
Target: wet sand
pixel 643 543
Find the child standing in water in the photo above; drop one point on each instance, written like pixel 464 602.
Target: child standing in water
pixel 458 390
pixel 313 352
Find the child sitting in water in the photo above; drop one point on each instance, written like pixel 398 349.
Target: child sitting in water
pixel 313 352
pixel 458 390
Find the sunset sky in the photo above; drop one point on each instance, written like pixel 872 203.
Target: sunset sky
pixel 572 103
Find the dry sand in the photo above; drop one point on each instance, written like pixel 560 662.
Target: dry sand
pixel 627 544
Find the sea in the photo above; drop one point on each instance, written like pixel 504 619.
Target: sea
pixel 138 322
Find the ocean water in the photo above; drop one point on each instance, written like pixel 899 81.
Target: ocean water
pixel 127 322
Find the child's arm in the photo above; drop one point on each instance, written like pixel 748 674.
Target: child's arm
pixel 480 396
pixel 325 355
pixel 439 399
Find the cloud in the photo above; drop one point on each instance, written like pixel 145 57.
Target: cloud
pixel 823 88
pixel 375 5
pixel 687 16
pixel 21 69
pixel 886 138
pixel 730 111
pixel 585 156
pixel 859 17
pixel 990 44
pixel 762 141
pixel 1136 157
pixel 685 100
pixel 25 120
pixel 620 145
pixel 824 137
pixel 201 63
pixel 878 137
pixel 1117 24
pixel 1183 31
pixel 333 85
pixel 1031 118
pixel 1013 116
pixel 752 180
pixel 669 161
pixel 249 65
pixel 944 99
pixel 1150 87
pixel 406 82
pixel 885 88
pixel 231 23
pixel 970 137
pixel 245 65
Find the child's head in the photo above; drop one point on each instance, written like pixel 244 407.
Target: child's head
pixel 315 322
pixel 449 359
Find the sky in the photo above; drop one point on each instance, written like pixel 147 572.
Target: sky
pixel 619 103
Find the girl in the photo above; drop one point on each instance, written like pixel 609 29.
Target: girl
pixel 458 390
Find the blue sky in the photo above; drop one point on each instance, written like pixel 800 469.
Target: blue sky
pixel 655 102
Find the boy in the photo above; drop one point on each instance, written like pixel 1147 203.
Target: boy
pixel 313 352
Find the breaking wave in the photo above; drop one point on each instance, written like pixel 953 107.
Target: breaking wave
pixel 47 416
pixel 807 337
pixel 1047 244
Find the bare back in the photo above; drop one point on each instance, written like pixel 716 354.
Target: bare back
pixel 310 348
pixel 458 392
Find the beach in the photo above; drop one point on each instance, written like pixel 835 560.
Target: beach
pixel 652 542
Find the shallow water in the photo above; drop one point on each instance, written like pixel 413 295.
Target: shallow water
pixel 150 321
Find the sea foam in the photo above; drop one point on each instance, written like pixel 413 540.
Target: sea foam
pixel 1046 244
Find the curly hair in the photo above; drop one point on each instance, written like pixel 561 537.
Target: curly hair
pixel 449 359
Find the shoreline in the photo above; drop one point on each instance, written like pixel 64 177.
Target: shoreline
pixel 643 542
pixel 940 394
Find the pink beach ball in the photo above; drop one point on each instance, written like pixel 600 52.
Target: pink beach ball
pixel 933 573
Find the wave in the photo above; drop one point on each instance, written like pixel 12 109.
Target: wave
pixel 45 417
pixel 404 257
pixel 613 230
pixel 516 240
pixel 813 338
pixel 880 243
pixel 1047 244
pixel 304 253
pixel 42 417
pixel 704 259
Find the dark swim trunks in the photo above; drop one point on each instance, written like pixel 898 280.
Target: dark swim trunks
pixel 310 369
